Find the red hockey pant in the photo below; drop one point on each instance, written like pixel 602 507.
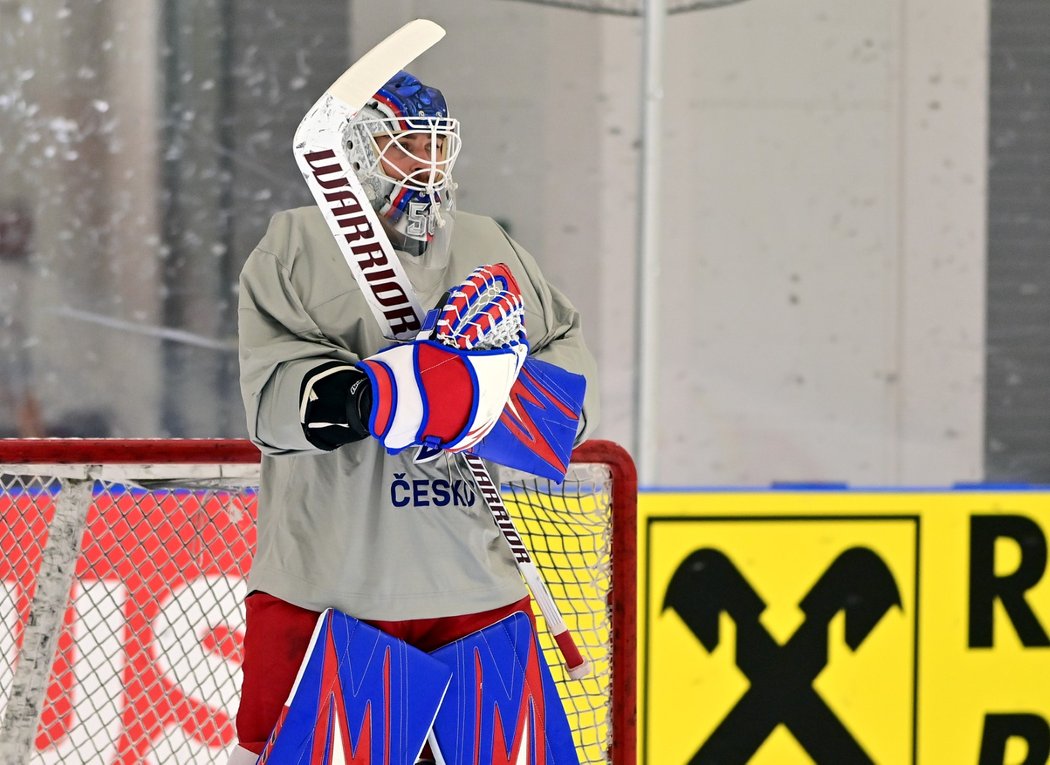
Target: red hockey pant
pixel 277 635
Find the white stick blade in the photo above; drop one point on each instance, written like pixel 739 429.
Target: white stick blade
pixel 369 73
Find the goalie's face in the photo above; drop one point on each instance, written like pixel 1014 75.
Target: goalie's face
pixel 420 159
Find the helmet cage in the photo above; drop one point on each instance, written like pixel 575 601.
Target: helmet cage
pixel 402 145
pixel 427 145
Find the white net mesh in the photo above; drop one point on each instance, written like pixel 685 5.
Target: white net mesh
pixel 121 609
pixel 141 599
pixel 631 7
pixel 576 563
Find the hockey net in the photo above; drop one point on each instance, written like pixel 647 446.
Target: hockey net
pixel 122 580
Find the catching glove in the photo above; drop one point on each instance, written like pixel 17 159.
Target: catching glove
pixel 447 393
pixel 427 393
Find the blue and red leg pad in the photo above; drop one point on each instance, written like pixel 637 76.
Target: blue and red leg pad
pixel 361 696
pixel 502 706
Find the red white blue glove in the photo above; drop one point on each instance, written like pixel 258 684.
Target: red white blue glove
pixel 449 392
pixel 427 393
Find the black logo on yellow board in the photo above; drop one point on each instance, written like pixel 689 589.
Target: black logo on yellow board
pixel 858 584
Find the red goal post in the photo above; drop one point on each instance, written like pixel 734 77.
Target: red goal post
pixel 122 566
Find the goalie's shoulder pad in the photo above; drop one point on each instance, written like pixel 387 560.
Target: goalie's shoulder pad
pixel 425 392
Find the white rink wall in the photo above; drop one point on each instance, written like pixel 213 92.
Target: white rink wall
pixel 824 209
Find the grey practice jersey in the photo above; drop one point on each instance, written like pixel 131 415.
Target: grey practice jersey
pixel 373 535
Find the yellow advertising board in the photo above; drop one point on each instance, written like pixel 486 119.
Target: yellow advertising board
pixel 840 627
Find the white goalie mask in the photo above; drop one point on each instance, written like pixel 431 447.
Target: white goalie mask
pixel 402 146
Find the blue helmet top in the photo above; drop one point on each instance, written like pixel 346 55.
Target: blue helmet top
pixel 405 97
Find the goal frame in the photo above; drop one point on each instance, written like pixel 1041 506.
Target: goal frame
pixel 94 453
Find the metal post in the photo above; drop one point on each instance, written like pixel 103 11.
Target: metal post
pixel 40 641
pixel 648 276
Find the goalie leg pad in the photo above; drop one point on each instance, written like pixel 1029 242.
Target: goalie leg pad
pixel 361 696
pixel 502 705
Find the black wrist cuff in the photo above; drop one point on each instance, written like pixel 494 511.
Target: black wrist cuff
pixel 335 404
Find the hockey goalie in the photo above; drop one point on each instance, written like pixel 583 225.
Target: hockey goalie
pixel 387 616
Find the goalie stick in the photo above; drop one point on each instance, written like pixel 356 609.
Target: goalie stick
pixel 319 152
pixel 575 664
pixel 323 161
pixel 483 312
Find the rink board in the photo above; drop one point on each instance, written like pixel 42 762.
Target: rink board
pixel 746 599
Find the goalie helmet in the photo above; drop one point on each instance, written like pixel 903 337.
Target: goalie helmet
pixel 402 146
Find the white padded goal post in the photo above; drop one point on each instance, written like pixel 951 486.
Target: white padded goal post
pixel 122 580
